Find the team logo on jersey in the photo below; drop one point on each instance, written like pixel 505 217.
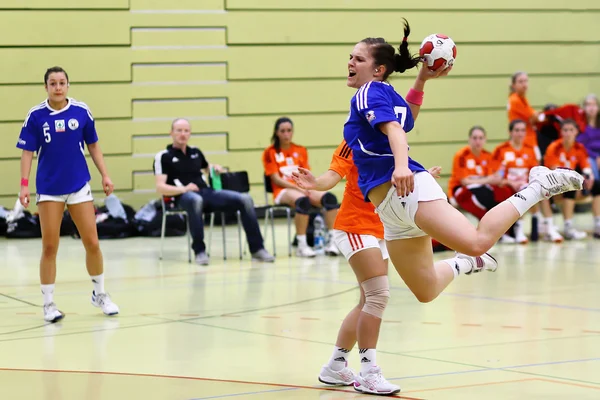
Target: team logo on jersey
pixel 279 157
pixel 59 125
pixel 73 124
pixel 370 115
pixel 470 163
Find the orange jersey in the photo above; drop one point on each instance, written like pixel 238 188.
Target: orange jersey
pixel 355 215
pixel 557 156
pixel 466 164
pixel 519 108
pixel 514 164
pixel 284 163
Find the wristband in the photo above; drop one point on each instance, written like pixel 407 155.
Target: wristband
pixel 415 97
pixel 24 182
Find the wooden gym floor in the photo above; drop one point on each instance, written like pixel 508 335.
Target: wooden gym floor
pixel 246 330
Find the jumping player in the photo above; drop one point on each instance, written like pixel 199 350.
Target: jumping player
pixel 57 129
pixel 410 203
pixel 364 247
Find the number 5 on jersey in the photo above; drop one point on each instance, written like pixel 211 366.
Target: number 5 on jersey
pixel 47 136
pixel 400 113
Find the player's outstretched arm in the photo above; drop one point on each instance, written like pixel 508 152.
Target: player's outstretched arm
pixel 26 159
pixel 306 180
pixel 98 158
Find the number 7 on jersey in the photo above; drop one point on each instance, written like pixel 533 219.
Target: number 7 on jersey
pixel 401 113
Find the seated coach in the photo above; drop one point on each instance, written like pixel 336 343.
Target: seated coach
pixel 178 171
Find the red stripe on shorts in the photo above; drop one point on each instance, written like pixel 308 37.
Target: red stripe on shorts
pixel 359 240
pixel 351 242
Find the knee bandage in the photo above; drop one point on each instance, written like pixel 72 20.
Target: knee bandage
pixel 377 294
pixel 303 205
pixel 329 201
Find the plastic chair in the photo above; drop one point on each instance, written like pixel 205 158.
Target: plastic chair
pixel 269 211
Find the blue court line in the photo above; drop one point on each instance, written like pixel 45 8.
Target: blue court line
pixel 474 296
pixel 497 368
pixel 244 394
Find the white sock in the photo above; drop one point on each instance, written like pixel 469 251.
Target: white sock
pixel 459 265
pixel 301 240
pixel 568 224
pixel 98 282
pixel 48 292
pixel 526 198
pixel 368 360
pixel 339 358
pixel 549 222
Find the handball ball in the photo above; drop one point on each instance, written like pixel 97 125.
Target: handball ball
pixel 438 51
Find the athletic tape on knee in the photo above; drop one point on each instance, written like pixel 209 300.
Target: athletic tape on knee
pixel 377 294
pixel 329 201
pixel 303 205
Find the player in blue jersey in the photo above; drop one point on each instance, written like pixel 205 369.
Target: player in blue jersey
pixel 58 129
pixel 411 204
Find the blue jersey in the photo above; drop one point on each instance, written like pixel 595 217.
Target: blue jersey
pixel 374 103
pixel 58 138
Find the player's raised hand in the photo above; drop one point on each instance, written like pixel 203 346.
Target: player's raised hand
pixel 427 73
pixel 107 185
pixel 304 179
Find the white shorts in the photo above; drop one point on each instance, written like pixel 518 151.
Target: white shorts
pixel 277 199
pixel 81 196
pixel 398 213
pixel 351 243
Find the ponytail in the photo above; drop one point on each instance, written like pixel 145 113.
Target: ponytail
pixel 404 60
pixel 384 53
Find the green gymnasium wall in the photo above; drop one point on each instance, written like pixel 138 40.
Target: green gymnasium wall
pixel 234 66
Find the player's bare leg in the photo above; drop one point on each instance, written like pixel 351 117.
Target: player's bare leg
pixel 51 214
pixel 290 197
pixel 84 218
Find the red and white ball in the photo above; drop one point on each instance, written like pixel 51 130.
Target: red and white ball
pixel 439 51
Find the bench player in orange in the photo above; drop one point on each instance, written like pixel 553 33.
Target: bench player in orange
pixel 513 160
pixel 567 153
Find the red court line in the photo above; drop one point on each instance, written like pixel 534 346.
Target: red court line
pixel 568 383
pixel 191 378
pixel 476 325
pixel 511 327
pixel 553 329
pixel 473 385
pixel 588 331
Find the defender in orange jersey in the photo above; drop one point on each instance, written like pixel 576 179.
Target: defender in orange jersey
pixel 358 233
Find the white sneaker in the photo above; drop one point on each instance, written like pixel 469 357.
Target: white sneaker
pixel 574 234
pixel 345 377
pixel 305 251
pixel 507 239
pixel 374 382
pixel 103 301
pixel 552 235
pixel 520 237
pixel 557 181
pixel 485 261
pixel 51 313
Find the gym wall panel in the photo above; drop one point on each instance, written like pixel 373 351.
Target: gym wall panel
pixel 317 96
pixel 65 4
pixel 160 126
pixel 179 19
pixel 177 37
pixel 295 61
pixel 208 143
pixel 179 108
pixel 144 180
pixel 196 72
pixel 538 5
pixel 105 101
pixel 83 64
pixel 9 134
pixel 187 5
pixel 115 135
pixel 85 28
pixel 179 55
pixel 255 27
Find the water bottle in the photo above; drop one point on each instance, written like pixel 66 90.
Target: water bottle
pixel 319 234
pixel 216 179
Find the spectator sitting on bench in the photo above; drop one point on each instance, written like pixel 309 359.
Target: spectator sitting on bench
pixel 178 170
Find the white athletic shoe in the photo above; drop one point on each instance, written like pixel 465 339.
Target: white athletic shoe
pixel 556 181
pixel 103 301
pixel 345 377
pixel 485 261
pixel 305 251
pixel 51 313
pixel 552 235
pixel 574 234
pixel 332 250
pixel 374 383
